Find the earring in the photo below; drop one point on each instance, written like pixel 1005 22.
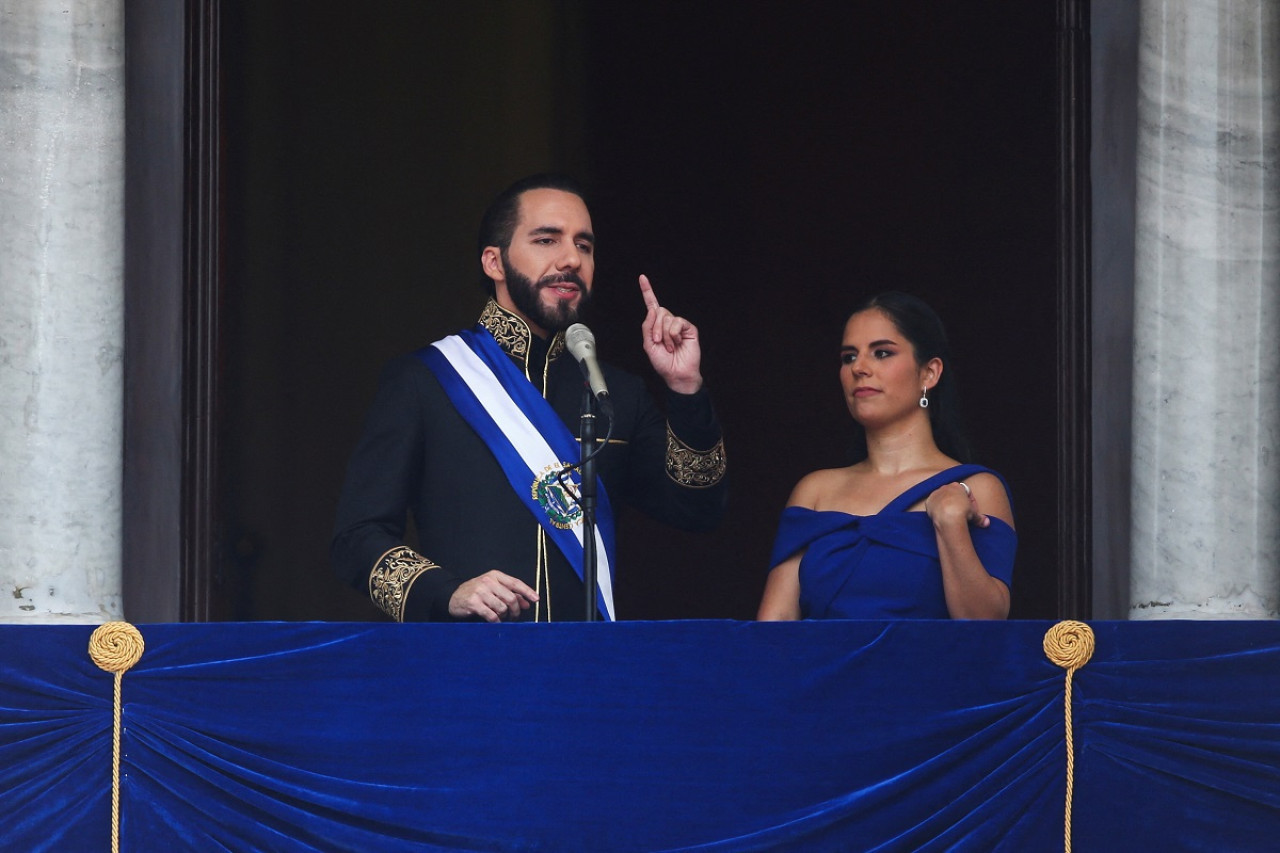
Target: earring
pixel 924 398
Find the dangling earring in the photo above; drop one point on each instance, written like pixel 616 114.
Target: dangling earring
pixel 924 398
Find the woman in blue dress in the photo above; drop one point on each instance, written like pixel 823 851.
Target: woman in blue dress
pixel 909 531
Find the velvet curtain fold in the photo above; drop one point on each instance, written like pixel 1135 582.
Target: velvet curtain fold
pixel 636 736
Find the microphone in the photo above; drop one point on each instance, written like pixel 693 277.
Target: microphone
pixel 582 346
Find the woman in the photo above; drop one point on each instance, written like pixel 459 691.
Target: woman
pixel 908 531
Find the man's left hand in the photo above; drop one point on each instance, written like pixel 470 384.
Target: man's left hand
pixel 671 343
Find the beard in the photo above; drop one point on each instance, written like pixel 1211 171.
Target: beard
pixel 525 295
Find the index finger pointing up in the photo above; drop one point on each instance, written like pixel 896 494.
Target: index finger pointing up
pixel 646 290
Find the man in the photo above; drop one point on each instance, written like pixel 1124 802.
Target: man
pixel 473 436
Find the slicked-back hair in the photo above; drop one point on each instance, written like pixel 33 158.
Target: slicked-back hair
pixel 503 213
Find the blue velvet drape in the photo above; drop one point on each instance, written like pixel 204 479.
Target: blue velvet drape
pixel 710 736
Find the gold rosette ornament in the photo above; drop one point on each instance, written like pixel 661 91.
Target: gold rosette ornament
pixel 116 646
pixel 1069 644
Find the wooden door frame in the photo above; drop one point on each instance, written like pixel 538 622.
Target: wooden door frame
pixel 173 298
pixel 1075 327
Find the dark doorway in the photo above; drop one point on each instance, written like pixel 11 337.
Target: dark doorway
pixel 766 165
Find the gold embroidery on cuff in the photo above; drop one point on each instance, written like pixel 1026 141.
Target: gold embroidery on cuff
pixel 392 576
pixel 696 469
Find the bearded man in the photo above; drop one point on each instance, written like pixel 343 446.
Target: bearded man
pixel 474 436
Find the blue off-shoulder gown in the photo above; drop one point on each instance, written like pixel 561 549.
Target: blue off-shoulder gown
pixel 883 566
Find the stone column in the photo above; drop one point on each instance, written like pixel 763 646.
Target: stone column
pixel 61 308
pixel 1206 413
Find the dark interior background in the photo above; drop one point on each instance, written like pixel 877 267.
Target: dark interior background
pixel 767 165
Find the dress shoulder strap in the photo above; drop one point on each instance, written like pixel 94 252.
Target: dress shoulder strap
pixel 925 487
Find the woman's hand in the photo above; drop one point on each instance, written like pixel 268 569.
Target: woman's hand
pixel 952 504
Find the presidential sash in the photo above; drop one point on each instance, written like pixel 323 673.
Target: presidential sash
pixel 529 441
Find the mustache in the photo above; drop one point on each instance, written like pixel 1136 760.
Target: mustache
pixel 562 278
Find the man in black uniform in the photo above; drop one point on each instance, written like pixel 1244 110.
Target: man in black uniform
pixel 472 433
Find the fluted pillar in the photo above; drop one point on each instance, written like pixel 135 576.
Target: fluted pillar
pixel 1206 413
pixel 61 308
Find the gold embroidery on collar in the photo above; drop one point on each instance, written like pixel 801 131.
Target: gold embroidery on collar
pixel 696 469
pixel 393 575
pixel 556 348
pixel 513 334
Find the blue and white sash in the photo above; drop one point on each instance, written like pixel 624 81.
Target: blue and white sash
pixel 525 435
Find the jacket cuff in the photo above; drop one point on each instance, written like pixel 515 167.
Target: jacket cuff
pixel 694 469
pixel 401 571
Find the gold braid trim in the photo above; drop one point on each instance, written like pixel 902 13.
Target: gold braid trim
pixel 116 647
pixel 393 575
pixel 556 348
pixel 513 334
pixel 1069 645
pixel 695 469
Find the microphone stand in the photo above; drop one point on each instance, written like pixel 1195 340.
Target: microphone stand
pixel 587 502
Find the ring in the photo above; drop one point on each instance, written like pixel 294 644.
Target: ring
pixel 965 486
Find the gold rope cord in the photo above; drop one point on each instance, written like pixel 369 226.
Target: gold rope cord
pixel 1069 645
pixel 115 647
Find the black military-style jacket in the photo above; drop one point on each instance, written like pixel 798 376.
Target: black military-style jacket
pixel 418 458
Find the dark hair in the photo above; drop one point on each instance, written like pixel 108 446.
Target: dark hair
pixel 922 327
pixel 503 213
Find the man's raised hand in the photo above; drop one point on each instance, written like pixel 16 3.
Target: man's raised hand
pixel 671 343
